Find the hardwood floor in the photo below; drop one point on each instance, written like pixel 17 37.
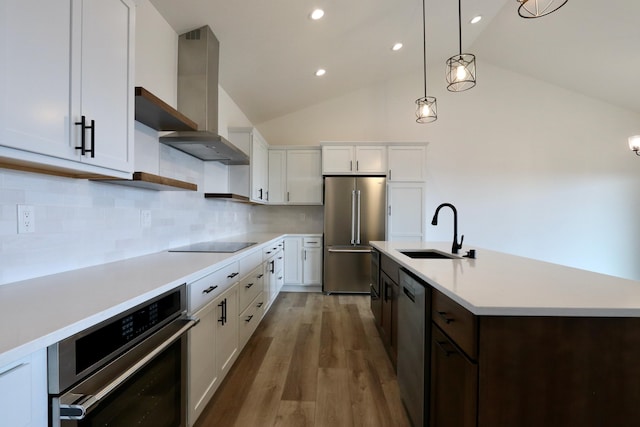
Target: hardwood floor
pixel 315 360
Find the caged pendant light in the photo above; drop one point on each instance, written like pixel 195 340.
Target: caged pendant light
pixel 538 8
pixel 427 108
pixel 461 68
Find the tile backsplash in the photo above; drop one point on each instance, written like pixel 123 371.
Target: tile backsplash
pixel 79 223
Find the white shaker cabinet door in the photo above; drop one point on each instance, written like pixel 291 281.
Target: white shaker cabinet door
pixel 106 91
pixel 35 70
pixel 23 392
pixel 277 176
pixel 304 177
pixel 407 163
pixel 338 159
pixel 405 211
pixel 293 260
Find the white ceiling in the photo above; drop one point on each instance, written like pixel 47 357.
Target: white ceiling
pixel 269 50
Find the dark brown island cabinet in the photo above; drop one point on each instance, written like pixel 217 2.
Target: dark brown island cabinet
pixel 524 371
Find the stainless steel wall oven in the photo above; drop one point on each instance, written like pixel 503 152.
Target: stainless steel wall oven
pixel 129 370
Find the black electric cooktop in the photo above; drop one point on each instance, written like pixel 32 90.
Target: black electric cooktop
pixel 224 247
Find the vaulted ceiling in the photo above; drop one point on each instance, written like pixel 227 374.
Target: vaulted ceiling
pixel 271 49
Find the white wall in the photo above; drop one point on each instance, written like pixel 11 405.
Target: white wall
pixel 533 169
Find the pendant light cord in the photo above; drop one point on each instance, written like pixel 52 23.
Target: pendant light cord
pixel 424 47
pixel 460 25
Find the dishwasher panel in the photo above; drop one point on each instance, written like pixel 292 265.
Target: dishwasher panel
pixel 413 334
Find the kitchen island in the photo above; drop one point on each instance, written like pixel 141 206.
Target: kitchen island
pixel 519 342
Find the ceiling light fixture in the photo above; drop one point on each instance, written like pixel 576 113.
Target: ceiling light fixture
pixel 634 144
pixel 317 14
pixel 321 72
pixel 427 110
pixel 461 68
pixel 476 19
pixel 397 46
pixel 537 8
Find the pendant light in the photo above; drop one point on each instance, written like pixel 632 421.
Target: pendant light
pixel 427 108
pixel 538 8
pixel 461 68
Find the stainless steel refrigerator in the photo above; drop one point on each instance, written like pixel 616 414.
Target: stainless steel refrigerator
pixel 354 214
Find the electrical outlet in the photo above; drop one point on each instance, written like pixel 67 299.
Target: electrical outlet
pixel 26 219
pixel 145 218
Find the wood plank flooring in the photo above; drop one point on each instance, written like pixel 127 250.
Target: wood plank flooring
pixel 315 360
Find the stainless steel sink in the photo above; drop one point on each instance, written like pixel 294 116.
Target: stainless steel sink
pixel 427 253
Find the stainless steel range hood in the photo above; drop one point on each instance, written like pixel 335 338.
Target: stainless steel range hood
pixel 198 53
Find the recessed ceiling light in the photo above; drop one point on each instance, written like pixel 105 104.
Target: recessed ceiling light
pixel 476 19
pixel 317 14
pixel 320 72
pixel 397 46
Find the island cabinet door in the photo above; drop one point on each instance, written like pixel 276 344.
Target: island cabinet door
pixel 454 384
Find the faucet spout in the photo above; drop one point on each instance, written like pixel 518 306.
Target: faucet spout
pixel 455 246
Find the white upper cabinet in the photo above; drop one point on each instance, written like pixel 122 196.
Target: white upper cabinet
pixel 406 215
pixel 277 176
pixel 60 61
pixel 304 179
pixel 354 160
pixel 407 163
pixel 295 177
pixel 251 181
pixel 259 169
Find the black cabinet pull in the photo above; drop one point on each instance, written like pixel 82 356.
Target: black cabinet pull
pixel 223 317
pixel 232 275
pixel 273 267
pixel 259 304
pixel 260 276
pixel 446 319
pixel 260 196
pixel 248 319
pixel 248 285
pixel 83 139
pixel 209 289
pixel 441 344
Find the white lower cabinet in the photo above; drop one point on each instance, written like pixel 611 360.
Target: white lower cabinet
pixel 406 217
pixel 227 330
pixel 303 260
pixel 203 373
pixel 249 319
pixel 23 391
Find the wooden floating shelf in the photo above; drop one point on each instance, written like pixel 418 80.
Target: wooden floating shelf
pixel 149 181
pixel 231 197
pixel 158 115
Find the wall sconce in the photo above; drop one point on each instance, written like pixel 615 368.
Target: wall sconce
pixel 634 144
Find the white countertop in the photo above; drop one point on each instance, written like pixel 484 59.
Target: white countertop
pixel 38 312
pixel 507 285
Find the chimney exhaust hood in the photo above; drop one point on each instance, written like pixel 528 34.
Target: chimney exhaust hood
pixel 198 53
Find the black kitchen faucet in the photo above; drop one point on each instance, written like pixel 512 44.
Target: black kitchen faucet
pixel 434 221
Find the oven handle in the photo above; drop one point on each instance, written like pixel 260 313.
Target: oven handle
pixel 80 405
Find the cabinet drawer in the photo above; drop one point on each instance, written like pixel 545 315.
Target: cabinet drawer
pixel 457 322
pixel 210 286
pixel 250 318
pixel 249 262
pixel 312 242
pixel 390 267
pixel 270 250
pixel 251 286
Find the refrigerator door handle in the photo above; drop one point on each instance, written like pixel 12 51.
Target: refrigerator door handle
pixel 353 217
pixel 358 228
pixel 350 251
